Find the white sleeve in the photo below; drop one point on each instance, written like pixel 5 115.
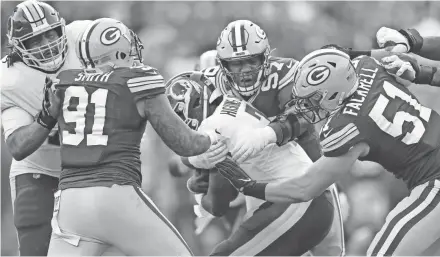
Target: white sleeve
pixel 14 118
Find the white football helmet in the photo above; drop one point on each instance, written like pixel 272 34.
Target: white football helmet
pixel 323 80
pixel 108 41
pixel 241 40
pixel 30 20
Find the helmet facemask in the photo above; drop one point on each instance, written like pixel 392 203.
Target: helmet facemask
pixel 136 48
pixel 49 57
pixel 310 108
pixel 246 82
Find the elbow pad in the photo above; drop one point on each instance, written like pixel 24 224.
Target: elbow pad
pixel 415 40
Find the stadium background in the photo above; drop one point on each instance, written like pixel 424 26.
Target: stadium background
pixel 176 33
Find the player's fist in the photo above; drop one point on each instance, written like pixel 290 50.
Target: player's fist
pixel 249 142
pixel 52 98
pixel 390 37
pixel 402 65
pixel 51 105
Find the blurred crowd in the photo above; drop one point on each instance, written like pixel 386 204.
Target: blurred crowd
pixel 174 34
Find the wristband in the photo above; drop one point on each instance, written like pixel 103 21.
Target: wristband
pixel 286 128
pixel 415 40
pixel 257 190
pixel 425 75
pixel 435 78
pixel 46 120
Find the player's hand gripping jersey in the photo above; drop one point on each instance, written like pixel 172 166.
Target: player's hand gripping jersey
pixel 22 91
pixel 273 162
pixel 402 134
pixel 272 97
pixel 101 128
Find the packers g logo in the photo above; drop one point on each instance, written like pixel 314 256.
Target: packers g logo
pixel 110 36
pixel 318 75
pixel 260 33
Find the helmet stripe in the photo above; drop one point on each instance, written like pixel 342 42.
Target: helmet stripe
pixel 84 48
pixel 40 13
pixel 238 37
pixel 234 41
pixel 28 14
pixel 33 9
pixel 243 39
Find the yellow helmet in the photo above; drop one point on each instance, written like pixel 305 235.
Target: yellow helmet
pixel 239 41
pixel 323 80
pixel 108 41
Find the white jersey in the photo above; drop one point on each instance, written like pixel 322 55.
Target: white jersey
pixel 21 99
pixel 273 163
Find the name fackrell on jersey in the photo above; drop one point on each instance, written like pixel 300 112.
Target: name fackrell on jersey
pixel 366 79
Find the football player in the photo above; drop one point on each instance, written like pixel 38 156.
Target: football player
pixel 238 205
pixel 248 71
pixel 41 45
pixel 268 229
pixel 371 117
pixel 104 110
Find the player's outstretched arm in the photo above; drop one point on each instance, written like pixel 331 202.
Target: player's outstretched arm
pixel 173 131
pixel 405 64
pixel 427 47
pixel 318 177
pixel 24 134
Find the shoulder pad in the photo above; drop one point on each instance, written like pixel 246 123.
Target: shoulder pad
pixel 340 133
pixel 216 75
pixel 284 68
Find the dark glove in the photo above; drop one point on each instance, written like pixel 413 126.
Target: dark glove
pixel 236 175
pixel 240 180
pixel 44 118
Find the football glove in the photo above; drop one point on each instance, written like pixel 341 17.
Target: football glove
pixel 249 142
pixel 207 160
pixel 236 175
pixel 44 117
pixel 387 37
pixel 402 65
pixel 409 68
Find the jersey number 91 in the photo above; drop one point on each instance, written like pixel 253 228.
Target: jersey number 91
pixel 77 109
